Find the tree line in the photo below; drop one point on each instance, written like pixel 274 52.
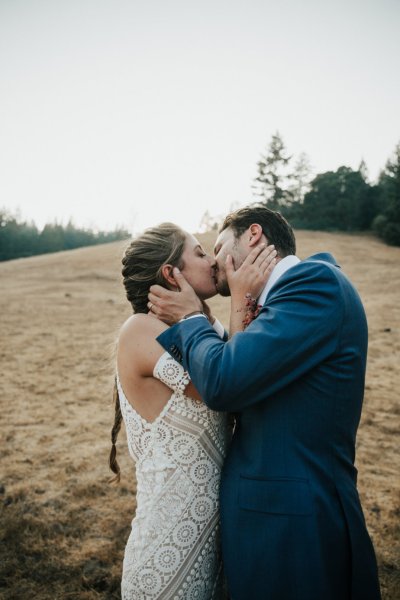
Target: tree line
pixel 19 238
pixel 342 200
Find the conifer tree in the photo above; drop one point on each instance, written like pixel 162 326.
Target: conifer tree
pixel 272 184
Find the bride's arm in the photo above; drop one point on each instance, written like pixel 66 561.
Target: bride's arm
pixel 247 283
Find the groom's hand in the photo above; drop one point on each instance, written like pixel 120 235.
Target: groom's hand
pixel 253 274
pixel 169 306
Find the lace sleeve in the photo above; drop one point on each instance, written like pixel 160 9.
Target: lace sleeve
pixel 170 372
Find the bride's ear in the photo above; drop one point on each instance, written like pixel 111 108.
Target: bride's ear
pixel 166 272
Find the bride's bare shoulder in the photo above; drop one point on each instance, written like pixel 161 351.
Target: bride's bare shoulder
pixel 137 347
pixel 142 326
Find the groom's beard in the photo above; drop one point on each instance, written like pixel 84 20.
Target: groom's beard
pixel 221 282
pixel 221 279
pixel 223 287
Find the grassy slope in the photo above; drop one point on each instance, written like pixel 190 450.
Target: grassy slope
pixel 65 528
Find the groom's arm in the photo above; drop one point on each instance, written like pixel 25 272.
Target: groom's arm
pixel 295 331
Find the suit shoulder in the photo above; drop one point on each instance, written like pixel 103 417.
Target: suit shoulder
pixel 324 272
pixel 313 273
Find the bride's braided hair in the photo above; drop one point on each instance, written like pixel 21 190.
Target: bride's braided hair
pixel 141 268
pixel 114 466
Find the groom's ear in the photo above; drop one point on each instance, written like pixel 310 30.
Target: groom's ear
pixel 166 272
pixel 255 233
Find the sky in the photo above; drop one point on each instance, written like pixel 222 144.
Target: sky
pixel 129 113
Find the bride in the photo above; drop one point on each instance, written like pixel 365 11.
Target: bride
pixel 177 443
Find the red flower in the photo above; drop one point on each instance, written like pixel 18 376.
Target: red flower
pixel 252 310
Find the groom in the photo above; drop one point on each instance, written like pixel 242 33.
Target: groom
pixel 292 523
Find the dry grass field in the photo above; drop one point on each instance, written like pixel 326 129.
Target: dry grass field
pixel 63 527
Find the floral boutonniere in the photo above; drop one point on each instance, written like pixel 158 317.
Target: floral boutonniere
pixel 252 310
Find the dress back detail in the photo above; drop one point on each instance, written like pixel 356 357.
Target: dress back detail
pixel 173 550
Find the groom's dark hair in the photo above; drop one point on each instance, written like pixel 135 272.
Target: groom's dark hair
pixel 275 228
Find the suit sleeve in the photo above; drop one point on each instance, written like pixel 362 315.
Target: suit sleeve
pixel 297 329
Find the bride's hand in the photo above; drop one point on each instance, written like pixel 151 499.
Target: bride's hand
pixel 252 275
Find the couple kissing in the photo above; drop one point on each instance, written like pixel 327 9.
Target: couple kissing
pixel 244 441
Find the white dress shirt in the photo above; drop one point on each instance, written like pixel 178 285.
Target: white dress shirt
pixel 282 266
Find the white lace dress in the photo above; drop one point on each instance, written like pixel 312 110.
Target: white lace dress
pixel 173 551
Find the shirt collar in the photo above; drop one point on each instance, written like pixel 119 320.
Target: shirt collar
pixel 282 266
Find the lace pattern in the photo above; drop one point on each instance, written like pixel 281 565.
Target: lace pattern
pixel 170 372
pixel 173 551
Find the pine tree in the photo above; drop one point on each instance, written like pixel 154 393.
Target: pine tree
pixel 387 224
pixel 301 178
pixel 272 184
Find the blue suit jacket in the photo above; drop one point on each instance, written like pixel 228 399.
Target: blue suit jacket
pixel 292 523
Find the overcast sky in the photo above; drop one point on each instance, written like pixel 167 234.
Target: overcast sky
pixel 133 112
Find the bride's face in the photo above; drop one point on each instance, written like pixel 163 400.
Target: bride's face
pixel 199 268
